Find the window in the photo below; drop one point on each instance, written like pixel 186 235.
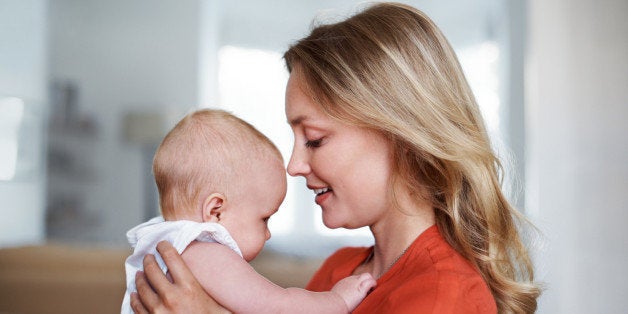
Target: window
pixel 11 116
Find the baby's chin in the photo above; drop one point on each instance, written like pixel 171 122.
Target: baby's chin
pixel 249 256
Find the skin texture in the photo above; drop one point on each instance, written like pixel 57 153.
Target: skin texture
pixel 227 277
pixel 234 283
pixel 390 68
pixel 183 295
pixel 246 217
pixel 353 162
pixel 359 197
pixel 356 163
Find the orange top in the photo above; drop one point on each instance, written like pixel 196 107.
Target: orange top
pixel 431 277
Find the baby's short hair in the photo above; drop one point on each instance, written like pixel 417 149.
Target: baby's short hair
pixel 208 151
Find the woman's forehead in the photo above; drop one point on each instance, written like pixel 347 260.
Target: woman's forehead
pixel 300 107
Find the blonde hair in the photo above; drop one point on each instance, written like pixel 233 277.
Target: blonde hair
pixel 390 69
pixel 207 151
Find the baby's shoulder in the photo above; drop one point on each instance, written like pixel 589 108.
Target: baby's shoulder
pixel 199 251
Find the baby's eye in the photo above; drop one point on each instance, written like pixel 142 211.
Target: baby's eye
pixel 313 143
pixel 266 219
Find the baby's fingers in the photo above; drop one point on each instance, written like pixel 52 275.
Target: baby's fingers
pixel 367 282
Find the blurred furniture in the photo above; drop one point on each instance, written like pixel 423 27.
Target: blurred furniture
pixel 70 279
pixel 61 279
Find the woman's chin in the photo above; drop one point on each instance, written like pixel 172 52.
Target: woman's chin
pixel 332 224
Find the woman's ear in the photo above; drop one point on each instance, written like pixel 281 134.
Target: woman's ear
pixel 213 207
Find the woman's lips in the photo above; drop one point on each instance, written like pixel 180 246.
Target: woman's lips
pixel 320 198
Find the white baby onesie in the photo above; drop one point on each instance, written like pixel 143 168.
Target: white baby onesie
pixel 180 233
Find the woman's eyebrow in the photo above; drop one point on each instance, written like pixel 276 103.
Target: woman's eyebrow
pixel 296 121
pixel 308 122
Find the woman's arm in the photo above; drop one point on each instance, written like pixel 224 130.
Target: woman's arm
pixel 183 295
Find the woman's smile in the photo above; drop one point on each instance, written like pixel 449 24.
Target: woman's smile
pixel 322 195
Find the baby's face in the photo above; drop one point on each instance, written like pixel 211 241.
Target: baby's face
pixel 264 190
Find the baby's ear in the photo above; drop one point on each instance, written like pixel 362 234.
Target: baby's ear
pixel 213 207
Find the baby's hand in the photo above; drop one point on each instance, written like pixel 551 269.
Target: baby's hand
pixel 354 288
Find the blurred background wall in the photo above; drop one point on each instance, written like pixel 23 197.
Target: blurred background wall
pixel 111 62
pixel 24 74
pixel 577 151
pixel 88 88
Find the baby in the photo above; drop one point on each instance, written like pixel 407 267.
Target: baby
pixel 219 181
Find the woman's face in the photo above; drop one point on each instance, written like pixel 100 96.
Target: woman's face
pixel 347 167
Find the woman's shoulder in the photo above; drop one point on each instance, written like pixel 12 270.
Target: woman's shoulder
pixel 442 294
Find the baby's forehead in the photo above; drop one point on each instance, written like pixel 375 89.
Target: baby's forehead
pixel 269 168
pixel 267 164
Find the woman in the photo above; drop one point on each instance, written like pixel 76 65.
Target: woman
pixel 388 134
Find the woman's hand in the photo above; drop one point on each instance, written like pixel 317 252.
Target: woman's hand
pixel 156 294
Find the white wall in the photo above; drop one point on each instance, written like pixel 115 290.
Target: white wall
pixel 577 151
pixel 125 56
pixel 23 61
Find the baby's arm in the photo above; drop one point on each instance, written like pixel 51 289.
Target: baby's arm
pixel 237 286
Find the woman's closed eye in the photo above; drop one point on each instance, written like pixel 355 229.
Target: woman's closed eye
pixel 314 143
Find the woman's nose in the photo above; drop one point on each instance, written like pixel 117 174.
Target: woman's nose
pixel 298 164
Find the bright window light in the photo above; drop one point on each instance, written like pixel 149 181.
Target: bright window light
pixel 11 113
pixel 481 63
pixel 252 86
